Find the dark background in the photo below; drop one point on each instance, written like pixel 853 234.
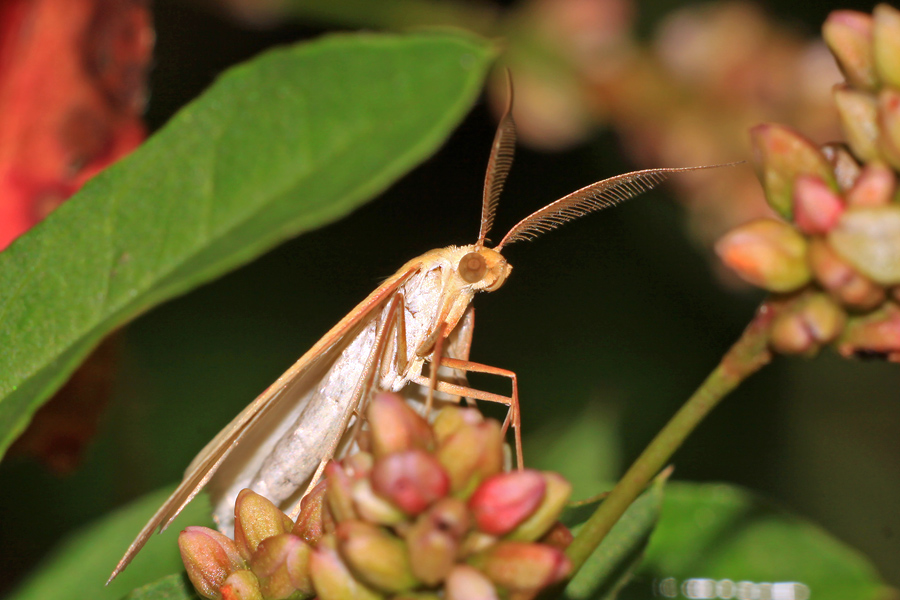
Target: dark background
pixel 610 324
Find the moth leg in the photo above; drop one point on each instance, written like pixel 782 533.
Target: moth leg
pixel 469 392
pixel 365 383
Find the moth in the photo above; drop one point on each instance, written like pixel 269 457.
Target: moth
pixel 421 316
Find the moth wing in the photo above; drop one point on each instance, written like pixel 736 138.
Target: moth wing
pixel 210 458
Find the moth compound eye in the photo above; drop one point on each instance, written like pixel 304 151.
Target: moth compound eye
pixel 472 267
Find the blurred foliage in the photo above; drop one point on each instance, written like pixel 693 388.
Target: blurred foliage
pixel 618 316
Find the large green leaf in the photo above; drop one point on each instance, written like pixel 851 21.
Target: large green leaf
pixel 611 565
pixel 722 540
pixel 284 143
pixel 81 563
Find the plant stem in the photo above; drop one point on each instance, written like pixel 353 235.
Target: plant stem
pixel 745 357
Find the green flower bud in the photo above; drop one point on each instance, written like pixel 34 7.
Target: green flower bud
pixel 859 119
pixel 889 124
pixel 556 494
pixel 315 519
pixel 814 321
pixel 886 44
pixel 781 154
pixel 434 540
pixel 849 37
pixel 766 253
pixel 332 579
pixel 241 585
pixel 281 563
pixel 869 239
pixel 209 558
pixel 255 519
pixel 471 454
pixel 376 557
pixel 372 507
pixel 339 493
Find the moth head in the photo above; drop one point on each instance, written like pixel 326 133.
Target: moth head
pixel 483 269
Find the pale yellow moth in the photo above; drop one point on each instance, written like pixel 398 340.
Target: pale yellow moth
pixel 421 315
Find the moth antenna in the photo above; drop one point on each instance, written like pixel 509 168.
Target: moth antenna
pixel 602 194
pixel 499 163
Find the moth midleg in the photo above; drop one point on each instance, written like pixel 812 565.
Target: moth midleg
pixel 363 386
pixel 469 392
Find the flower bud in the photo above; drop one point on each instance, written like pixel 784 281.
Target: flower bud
pixel 468 583
pixel 281 563
pixel 848 34
pixel 376 557
pixel 395 426
pixel 315 519
pixel 339 493
pixel 889 125
pixel 766 253
pixel 559 536
pixel 886 44
pixel 332 579
pixel 858 112
pixel 411 480
pixel 875 186
pixel 523 566
pixel 816 207
pixel 471 454
pixel 372 507
pixel 358 465
pixel 843 282
pixel 845 167
pixel 556 494
pixel 241 585
pixel 452 419
pixel 434 540
pixel 877 332
pixel 504 501
pixel 815 321
pixel 869 239
pixel 209 558
pixel 255 519
pixel 781 154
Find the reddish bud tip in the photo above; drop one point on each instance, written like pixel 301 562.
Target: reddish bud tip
pixel 766 253
pixel 315 519
pixel 209 558
pixel 411 480
pixel 242 585
pixel 816 207
pixel 395 426
pixel 504 501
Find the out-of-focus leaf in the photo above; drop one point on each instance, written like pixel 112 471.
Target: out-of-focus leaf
pixel 171 587
pixel 613 562
pixel 722 539
pixel 81 564
pixel 284 143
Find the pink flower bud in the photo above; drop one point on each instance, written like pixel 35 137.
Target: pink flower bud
pixel 849 36
pixel 332 579
pixel 411 480
pixel 781 154
pixel 241 585
pixel 395 426
pixel 859 119
pixel 869 239
pixel 315 519
pixel 886 44
pixel 523 566
pixel 468 583
pixel 281 563
pixel 255 519
pixel 816 206
pixel 209 558
pixel 766 253
pixel 875 186
pixel 556 493
pixel 376 557
pixel 504 501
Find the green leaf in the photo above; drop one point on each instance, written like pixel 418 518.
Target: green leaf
pixel 81 563
pixel 618 555
pixel 171 587
pixel 282 144
pixel 715 533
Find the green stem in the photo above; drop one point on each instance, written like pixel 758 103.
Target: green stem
pixel 745 357
pixel 399 14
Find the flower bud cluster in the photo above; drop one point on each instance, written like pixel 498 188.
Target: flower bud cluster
pixel 427 512
pixel 837 254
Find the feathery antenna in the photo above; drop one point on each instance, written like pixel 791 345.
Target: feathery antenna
pixel 499 163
